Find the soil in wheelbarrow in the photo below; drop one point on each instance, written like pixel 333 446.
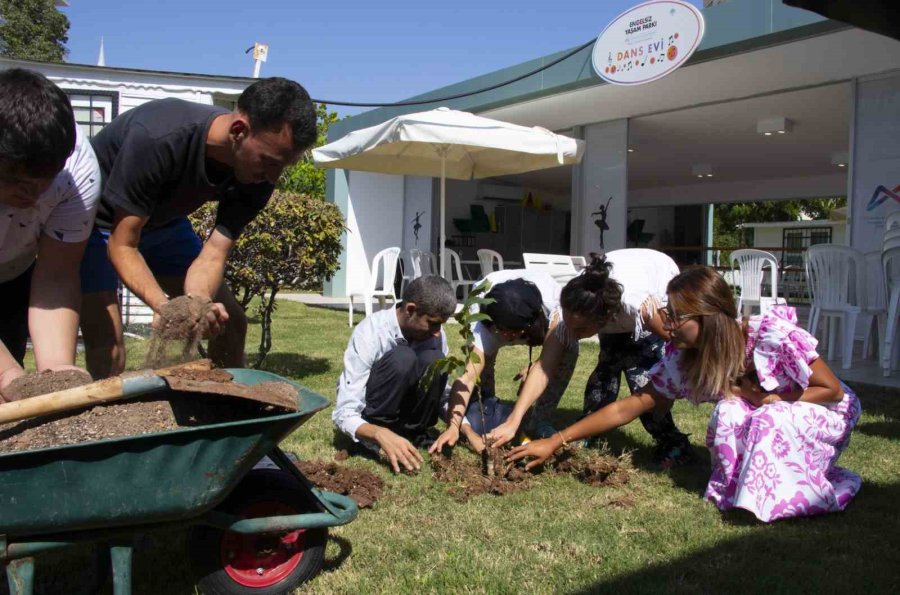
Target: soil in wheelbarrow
pixel 466 476
pixel 32 385
pixel 362 486
pixel 128 418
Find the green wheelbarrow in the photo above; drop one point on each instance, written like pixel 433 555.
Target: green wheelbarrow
pixel 253 531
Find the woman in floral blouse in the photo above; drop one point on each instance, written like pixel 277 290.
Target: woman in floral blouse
pixel 782 417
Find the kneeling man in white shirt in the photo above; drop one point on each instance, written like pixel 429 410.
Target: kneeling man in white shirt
pixel 381 403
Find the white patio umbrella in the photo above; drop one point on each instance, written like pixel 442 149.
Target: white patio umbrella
pixel 447 143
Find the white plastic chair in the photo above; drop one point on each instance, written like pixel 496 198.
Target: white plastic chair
pixel 486 259
pixel 874 304
pixel 836 276
pixel 454 275
pixel 407 269
pixel 750 277
pixel 558 266
pixel 891 234
pixel 892 220
pixel 890 264
pixel 380 286
pixel 793 283
pixel 428 264
pixel 415 258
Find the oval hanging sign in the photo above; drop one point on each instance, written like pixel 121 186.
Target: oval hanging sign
pixel 647 42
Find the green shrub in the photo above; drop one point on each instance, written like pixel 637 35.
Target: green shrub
pixel 295 240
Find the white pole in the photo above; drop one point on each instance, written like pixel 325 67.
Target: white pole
pixel 443 211
pixel 256 64
pixel 101 58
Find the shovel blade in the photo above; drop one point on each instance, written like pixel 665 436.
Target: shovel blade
pixel 279 394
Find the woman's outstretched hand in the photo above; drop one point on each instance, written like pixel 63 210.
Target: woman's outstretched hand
pixel 537 450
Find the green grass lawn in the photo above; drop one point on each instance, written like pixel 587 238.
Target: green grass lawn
pixel 561 536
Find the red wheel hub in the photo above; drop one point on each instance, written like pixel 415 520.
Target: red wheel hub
pixel 262 560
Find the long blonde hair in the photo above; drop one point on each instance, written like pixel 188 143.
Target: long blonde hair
pixel 717 360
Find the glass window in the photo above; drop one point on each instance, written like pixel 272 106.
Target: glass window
pixel 797 240
pixel 93 110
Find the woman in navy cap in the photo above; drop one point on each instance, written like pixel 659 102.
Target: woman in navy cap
pixel 524 312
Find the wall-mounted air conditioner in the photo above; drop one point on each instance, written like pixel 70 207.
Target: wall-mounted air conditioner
pixel 500 192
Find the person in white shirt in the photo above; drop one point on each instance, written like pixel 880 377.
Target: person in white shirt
pixel 619 297
pixel 382 403
pixel 49 191
pixel 525 308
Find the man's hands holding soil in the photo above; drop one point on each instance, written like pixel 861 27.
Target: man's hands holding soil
pixel 189 315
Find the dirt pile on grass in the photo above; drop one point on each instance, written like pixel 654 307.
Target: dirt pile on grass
pixel 176 337
pixel 464 472
pixel 594 468
pixel 464 475
pixel 362 486
pixel 32 385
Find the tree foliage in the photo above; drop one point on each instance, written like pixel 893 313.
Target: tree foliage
pixel 295 240
pixel 304 177
pixel 33 30
pixel 729 216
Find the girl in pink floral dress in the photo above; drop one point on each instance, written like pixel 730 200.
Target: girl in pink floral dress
pixel 782 417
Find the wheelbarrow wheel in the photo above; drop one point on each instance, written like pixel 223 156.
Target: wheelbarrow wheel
pixel 227 563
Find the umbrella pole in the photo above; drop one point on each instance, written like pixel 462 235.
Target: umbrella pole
pixel 443 255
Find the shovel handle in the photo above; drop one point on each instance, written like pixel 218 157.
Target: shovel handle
pixel 63 400
pixel 103 391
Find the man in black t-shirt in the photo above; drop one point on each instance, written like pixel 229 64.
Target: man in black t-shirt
pixel 161 161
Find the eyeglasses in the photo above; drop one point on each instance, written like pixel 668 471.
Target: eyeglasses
pixel 669 317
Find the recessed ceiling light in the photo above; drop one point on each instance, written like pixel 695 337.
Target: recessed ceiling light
pixel 702 170
pixel 840 158
pixel 777 125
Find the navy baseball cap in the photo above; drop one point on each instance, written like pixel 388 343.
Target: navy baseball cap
pixel 517 304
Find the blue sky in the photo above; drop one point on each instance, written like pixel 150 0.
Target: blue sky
pixel 339 50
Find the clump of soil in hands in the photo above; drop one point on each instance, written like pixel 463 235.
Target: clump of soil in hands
pixel 127 418
pixel 182 323
pixel 594 468
pixel 362 486
pixel 32 385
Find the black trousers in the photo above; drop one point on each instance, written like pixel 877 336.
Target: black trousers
pixel 14 297
pixel 395 398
